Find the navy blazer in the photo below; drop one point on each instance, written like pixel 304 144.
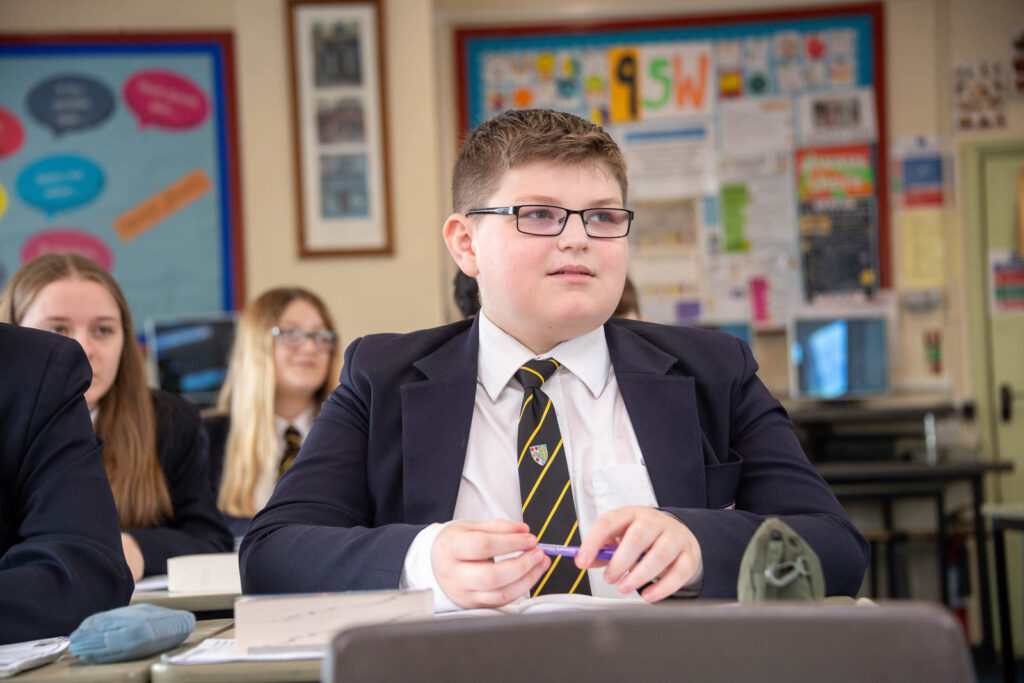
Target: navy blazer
pixel 60 547
pixel 217 426
pixel 196 525
pixel 385 457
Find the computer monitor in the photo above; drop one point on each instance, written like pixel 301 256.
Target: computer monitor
pixel 840 356
pixel 188 355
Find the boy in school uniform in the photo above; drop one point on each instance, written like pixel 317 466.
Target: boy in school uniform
pixel 429 466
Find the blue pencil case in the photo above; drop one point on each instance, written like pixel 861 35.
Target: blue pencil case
pixel 131 632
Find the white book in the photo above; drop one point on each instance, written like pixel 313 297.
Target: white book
pixel 207 573
pixel 220 650
pixel 17 657
pixel 554 602
pixel 269 623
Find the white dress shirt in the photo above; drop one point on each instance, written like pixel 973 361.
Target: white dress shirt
pixel 303 422
pixel 604 459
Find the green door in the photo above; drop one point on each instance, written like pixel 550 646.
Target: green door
pixel 993 178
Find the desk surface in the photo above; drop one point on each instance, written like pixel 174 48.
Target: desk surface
pixel 291 670
pixel 889 470
pixel 70 668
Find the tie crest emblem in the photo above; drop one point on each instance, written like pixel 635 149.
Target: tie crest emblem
pixel 539 453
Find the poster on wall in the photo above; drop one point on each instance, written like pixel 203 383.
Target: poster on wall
pixel 728 113
pixel 980 89
pixel 1006 282
pixel 835 188
pixel 123 148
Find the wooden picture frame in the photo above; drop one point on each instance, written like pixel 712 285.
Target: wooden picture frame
pixel 339 130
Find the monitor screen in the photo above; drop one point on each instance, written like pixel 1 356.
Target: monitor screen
pixel 188 355
pixel 841 357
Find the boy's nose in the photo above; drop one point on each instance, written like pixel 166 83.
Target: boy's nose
pixel 575 232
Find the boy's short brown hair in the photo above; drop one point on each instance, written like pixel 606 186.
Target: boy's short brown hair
pixel 517 137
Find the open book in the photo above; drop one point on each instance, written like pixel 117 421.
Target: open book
pixel 278 623
pixel 555 602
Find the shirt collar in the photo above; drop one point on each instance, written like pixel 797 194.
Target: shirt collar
pixel 500 355
pixel 302 422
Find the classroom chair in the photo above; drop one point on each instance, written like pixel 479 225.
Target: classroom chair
pixel 896 641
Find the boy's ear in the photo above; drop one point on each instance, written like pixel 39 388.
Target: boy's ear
pixel 458 237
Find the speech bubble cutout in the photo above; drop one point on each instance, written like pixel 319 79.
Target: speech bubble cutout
pixel 70 102
pixel 62 240
pixel 12 134
pixel 165 99
pixel 59 183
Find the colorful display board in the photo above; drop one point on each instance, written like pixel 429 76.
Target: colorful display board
pixel 753 142
pixel 123 148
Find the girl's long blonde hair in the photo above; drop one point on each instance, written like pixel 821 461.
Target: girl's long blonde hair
pixel 252 450
pixel 126 420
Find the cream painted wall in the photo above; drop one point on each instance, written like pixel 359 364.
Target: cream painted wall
pixel 366 294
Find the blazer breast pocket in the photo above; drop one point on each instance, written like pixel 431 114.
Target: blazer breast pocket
pixel 722 481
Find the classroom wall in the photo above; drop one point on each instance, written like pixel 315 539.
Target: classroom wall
pixel 367 293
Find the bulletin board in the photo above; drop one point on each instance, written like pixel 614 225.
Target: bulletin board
pixel 123 148
pixel 755 144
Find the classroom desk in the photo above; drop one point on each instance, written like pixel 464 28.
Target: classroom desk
pixel 1004 517
pixel 293 670
pixel 70 668
pixel 311 669
pixel 892 472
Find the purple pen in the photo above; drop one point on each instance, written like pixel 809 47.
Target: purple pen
pixel 604 553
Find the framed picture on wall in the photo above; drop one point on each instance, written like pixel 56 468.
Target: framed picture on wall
pixel 340 133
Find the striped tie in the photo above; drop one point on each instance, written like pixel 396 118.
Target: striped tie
pixel 292 441
pixel 544 480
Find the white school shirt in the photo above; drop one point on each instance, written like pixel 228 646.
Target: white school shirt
pixel 604 459
pixel 303 422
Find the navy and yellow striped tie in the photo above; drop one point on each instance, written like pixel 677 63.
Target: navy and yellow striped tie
pixel 544 481
pixel 292 442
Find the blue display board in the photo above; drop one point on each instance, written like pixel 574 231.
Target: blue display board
pixel 123 148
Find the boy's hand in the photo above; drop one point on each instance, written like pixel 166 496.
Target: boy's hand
pixel 462 558
pixel 671 552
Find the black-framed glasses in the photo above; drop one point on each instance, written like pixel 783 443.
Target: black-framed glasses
pixel 293 337
pixel 549 221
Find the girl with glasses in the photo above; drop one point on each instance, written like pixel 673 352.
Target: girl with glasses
pixel 283 365
pixel 153 445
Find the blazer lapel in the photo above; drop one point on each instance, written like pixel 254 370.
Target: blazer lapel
pixel 663 410
pixel 436 417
